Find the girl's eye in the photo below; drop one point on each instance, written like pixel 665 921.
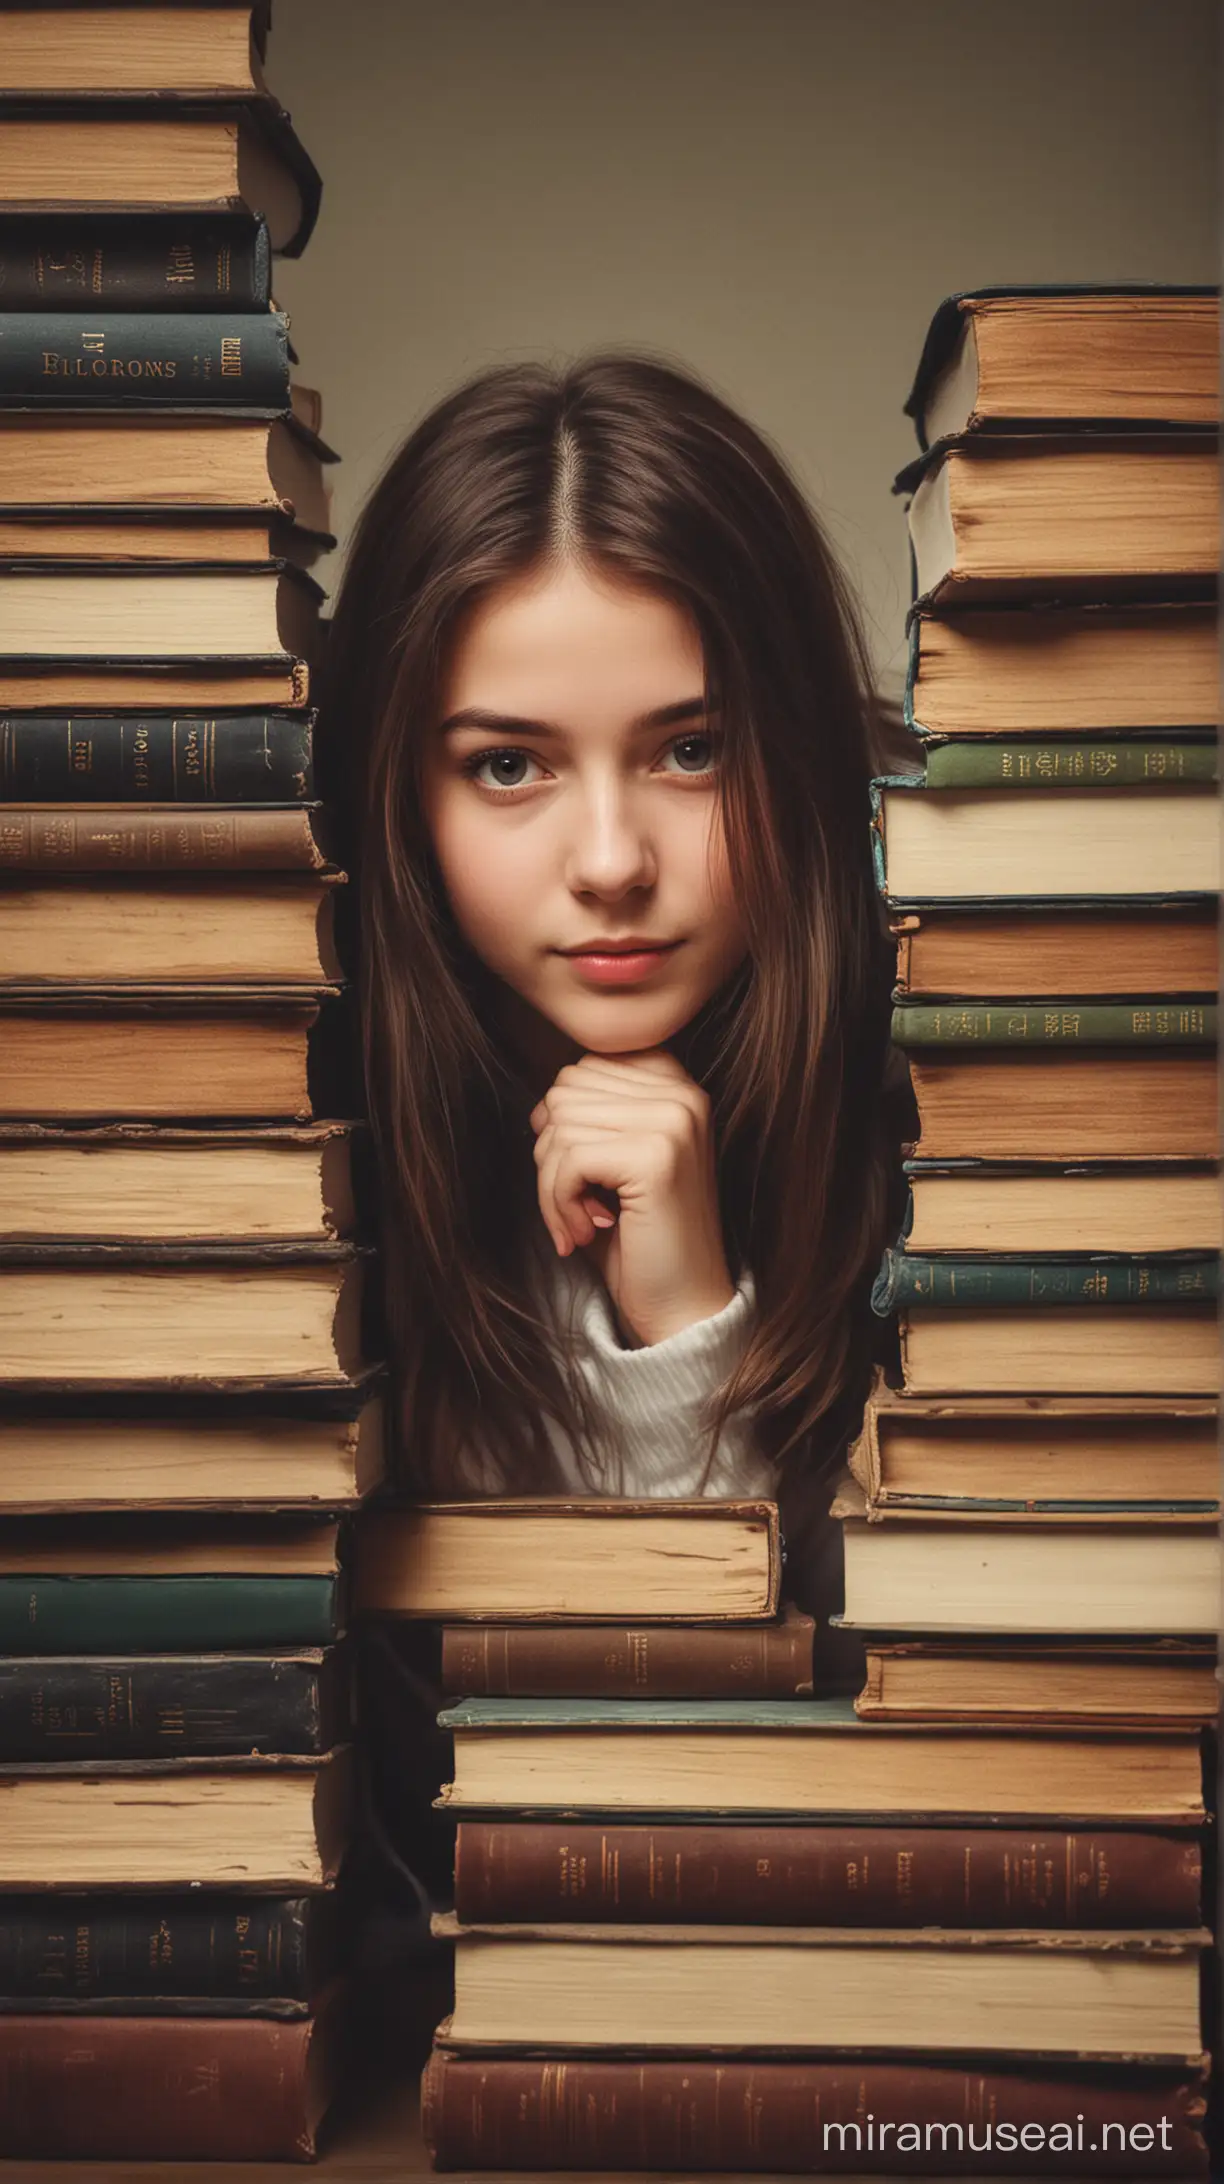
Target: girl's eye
pixel 506 764
pixel 696 752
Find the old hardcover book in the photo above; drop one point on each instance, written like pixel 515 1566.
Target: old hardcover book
pixel 706 1757
pixel 1141 1685
pixel 67 839
pixel 153 687
pixel 536 1871
pixel 135 1955
pixel 176 261
pixel 205 51
pixel 1032 356
pixel 63 148
pixel 133 1582
pixel 160 611
pixel 145 359
pixel 907 1278
pixel 293 1449
pixel 770 1989
pixel 139 1182
pixel 171 1706
pixel 1080 1023
pixel 926 1571
pixel 187 1315
pixel 1061 1350
pixel 659 1661
pixel 1065 1104
pixel 239 1053
pixel 101 535
pixel 750 2116
pixel 586 1561
pixel 994 955
pixel 155 759
pixel 150 464
pixel 1033 762
pixel 1036 518
pixel 1063 671
pixel 1033 843
pixel 176 2089
pixel 189 930
pixel 270 1823
pixel 973 1206
pixel 1022 1452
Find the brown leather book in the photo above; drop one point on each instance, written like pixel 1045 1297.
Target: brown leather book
pixel 526 1871
pixel 167 2088
pixel 493 2112
pixel 644 1661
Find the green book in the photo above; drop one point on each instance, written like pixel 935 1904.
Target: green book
pixel 650 1714
pixel 1069 1023
pixel 1033 764
pixel 114 1615
pixel 979 1284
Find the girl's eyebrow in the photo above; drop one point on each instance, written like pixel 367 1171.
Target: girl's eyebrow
pixel 474 716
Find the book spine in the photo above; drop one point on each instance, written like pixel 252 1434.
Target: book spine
pixel 142 360
pixel 109 1615
pixel 699 2114
pixel 163 1706
pixel 156 758
pixel 624 1661
pixel 986 764
pixel 63 1950
pixel 109 262
pixel 532 1871
pixel 156 839
pixel 1075 1023
pixel 155 2089
pixel 977 1284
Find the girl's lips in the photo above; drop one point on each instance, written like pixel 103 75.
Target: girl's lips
pixel 621 970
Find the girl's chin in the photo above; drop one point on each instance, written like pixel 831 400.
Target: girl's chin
pixel 623 1029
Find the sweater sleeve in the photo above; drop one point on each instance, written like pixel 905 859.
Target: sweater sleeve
pixel 654 1397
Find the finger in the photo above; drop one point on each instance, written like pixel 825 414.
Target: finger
pixel 574 1201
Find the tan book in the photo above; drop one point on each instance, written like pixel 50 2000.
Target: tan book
pixel 61 1460
pixel 201 52
pixel 160 465
pixel 1017 1451
pixel 710 1757
pixel 997 955
pixel 586 1561
pixel 215 687
pixel 649 1988
pixel 141 1545
pixel 978 1208
pixel 282 1823
pixel 1170 1682
pixel 1086 357
pixel 259 1315
pixel 158 612
pixel 1077 1350
pixel 952 845
pixel 921 1572
pixel 997 1104
pixel 186 931
pixel 1065 670
pixel 71 838
pixel 1027 518
pixel 139 1183
pixel 190 537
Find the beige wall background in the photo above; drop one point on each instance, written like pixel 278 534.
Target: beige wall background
pixel 775 193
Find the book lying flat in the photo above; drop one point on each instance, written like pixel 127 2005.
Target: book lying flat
pixel 972 1206
pixel 1076 355
pixel 800 1756
pixel 1065 1104
pixel 67 839
pixel 172 1706
pixel 584 1561
pixel 646 1660
pixel 184 931
pixel 1039 953
pixel 141 1183
pixel 1028 518
pixel 1149 1685
pixel 172 466
pixel 1014 844
pixel 170 1954
pixel 194 52
pixel 153 686
pixel 1063 671
pixel 239 1823
pixel 918 1573
pixel 301 1447
pixel 1024 1452
pixel 85 613
pixel 1061 1350
pixel 568 1987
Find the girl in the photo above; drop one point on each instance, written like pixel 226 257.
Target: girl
pixel 598 712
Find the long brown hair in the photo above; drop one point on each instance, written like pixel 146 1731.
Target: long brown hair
pixel 641 471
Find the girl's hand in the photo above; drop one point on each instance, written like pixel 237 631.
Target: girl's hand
pixel 638 1126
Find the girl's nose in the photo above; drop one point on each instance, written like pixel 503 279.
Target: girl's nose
pixel 611 850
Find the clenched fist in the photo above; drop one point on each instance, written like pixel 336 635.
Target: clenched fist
pixel 635 1125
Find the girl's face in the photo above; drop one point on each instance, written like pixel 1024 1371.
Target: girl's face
pixel 571 793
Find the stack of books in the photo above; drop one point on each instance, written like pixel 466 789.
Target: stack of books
pixel 185 1413
pixel 1031 1517
pixel 691 1897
